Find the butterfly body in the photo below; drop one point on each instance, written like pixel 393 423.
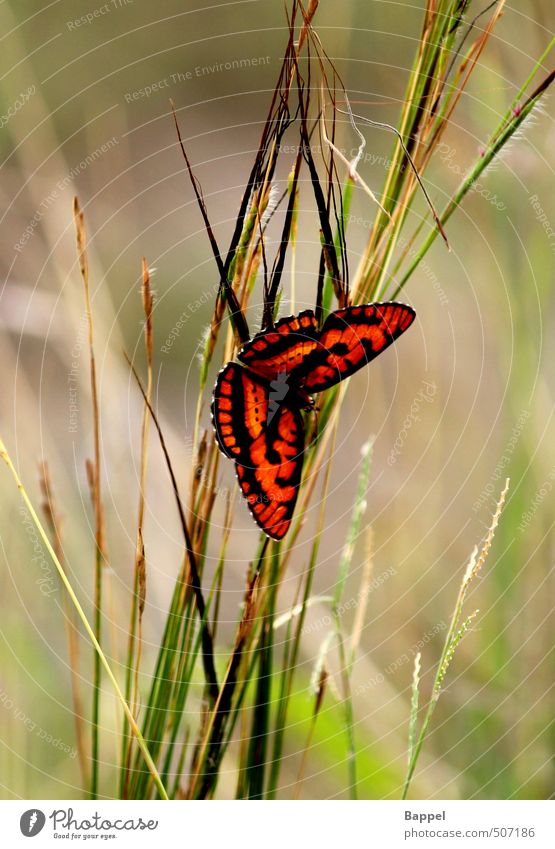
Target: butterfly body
pixel 257 403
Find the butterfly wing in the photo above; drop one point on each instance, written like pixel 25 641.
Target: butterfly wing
pixel 239 410
pixel 351 338
pixel 283 349
pixel 266 438
pixel 268 454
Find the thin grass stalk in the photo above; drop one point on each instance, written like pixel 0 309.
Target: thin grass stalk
pixel 95 481
pixel 344 568
pixel 55 523
pixel 221 564
pixel 457 630
pixel 261 712
pixel 347 709
pixel 318 701
pixel 289 667
pixel 413 720
pixel 176 791
pixel 293 242
pixel 241 787
pixel 364 592
pixel 83 617
pixel 258 736
pixel 340 236
pixel 139 572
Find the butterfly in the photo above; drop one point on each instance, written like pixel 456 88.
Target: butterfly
pixel 257 404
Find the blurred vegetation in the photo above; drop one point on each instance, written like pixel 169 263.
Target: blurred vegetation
pixel 485 344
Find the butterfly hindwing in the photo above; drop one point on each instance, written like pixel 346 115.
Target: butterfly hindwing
pixel 233 393
pixel 266 444
pixel 351 338
pixel 282 349
pixel 270 481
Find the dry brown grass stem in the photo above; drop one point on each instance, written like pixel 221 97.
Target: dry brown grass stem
pixel 54 522
pixel 94 477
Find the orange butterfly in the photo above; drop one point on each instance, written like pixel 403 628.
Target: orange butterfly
pixel 256 409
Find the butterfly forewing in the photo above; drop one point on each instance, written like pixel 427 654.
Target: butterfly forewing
pixel 350 339
pixel 283 349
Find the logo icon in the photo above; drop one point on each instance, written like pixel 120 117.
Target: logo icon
pixel 32 822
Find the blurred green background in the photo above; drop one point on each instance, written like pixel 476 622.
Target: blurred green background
pixel 466 399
